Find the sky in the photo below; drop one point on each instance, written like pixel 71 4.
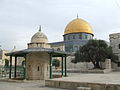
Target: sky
pixel 20 19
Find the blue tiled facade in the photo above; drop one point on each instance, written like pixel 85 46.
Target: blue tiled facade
pixel 74 41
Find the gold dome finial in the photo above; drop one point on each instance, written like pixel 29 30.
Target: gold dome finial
pixel 39 28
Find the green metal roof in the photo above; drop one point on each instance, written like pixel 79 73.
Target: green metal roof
pixel 30 50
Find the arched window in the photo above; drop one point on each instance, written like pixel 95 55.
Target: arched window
pixel 86 36
pixel 73 36
pixel 76 48
pixel 58 49
pixel 80 36
pixel 64 38
pixel 68 37
pixel 38 68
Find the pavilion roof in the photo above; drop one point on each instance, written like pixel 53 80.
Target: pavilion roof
pixel 30 50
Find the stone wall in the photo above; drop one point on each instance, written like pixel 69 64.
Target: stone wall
pixel 108 64
pixel 59 47
pixel 85 65
pixel 115 43
pixel 73 85
pixel 37 66
pixel 3 56
pixel 38 45
pixel 80 65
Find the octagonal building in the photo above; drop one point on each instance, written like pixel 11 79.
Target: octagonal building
pixel 76 34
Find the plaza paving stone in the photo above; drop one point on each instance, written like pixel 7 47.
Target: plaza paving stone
pixel 30 85
pixel 108 81
pixel 108 78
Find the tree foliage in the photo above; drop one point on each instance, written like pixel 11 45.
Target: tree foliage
pixel 6 62
pixel 56 63
pixel 23 63
pixel 95 51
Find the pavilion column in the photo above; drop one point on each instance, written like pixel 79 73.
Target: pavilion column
pixel 65 66
pixel 25 68
pixel 50 64
pixel 62 71
pixel 10 66
pixel 15 67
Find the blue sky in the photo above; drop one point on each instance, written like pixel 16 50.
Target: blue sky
pixel 19 19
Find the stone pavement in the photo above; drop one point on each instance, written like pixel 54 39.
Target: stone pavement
pixel 97 81
pixel 109 78
pixel 28 85
pixel 108 81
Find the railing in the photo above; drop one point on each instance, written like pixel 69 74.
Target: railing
pixel 4 72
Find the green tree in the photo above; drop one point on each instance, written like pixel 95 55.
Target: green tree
pixel 56 63
pixel 6 62
pixel 23 62
pixel 95 51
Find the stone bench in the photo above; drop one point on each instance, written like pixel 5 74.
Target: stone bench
pixel 83 88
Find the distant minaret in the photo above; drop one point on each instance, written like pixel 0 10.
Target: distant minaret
pixel 77 15
pixel 39 28
pixel 14 49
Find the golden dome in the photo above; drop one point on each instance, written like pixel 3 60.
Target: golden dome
pixel 78 25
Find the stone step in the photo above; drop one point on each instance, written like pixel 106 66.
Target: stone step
pixel 83 88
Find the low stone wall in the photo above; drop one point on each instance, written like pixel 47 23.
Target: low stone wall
pixel 85 71
pixel 74 85
pixel 115 66
pixel 83 88
pixel 80 65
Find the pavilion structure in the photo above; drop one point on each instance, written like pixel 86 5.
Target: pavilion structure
pixel 51 52
pixel 38 58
